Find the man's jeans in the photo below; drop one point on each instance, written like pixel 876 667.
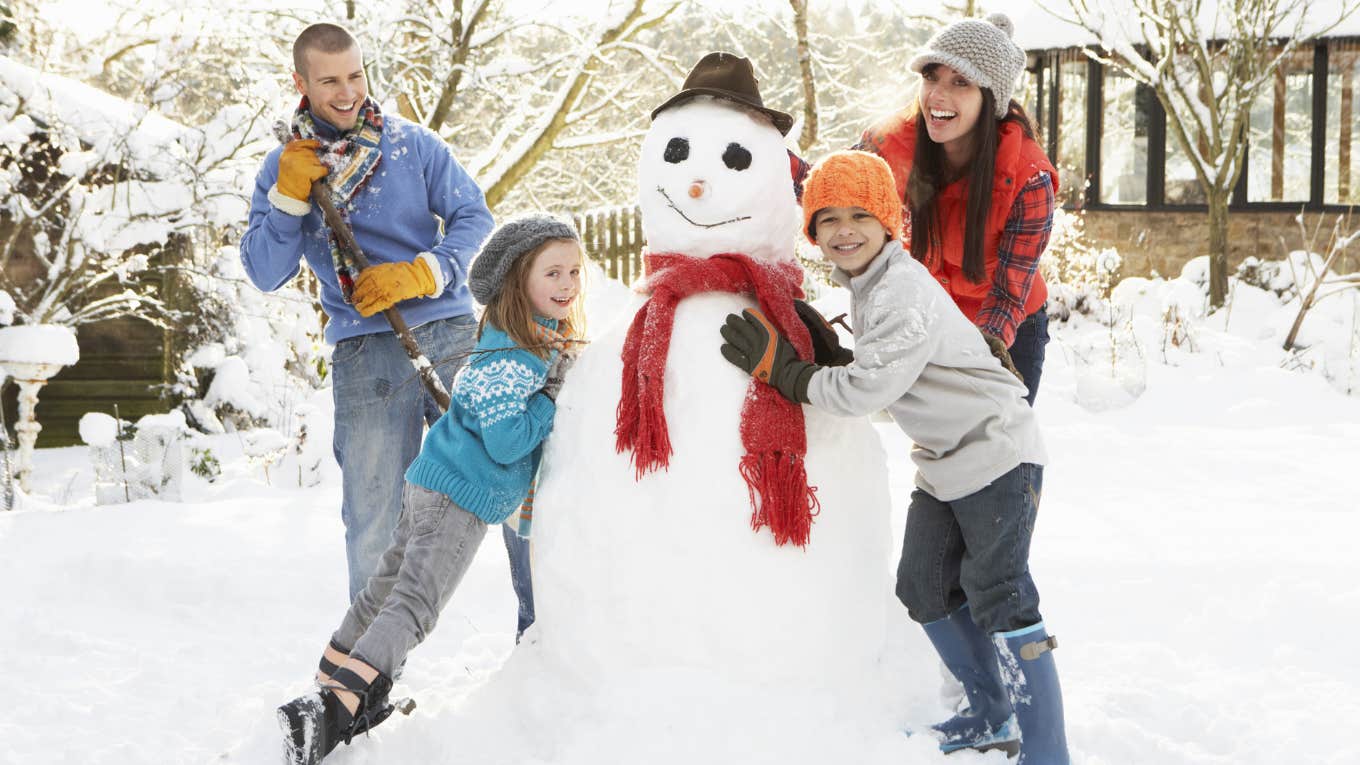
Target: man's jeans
pixel 973 550
pixel 1027 352
pixel 381 409
pixel 521 576
pixel 432 548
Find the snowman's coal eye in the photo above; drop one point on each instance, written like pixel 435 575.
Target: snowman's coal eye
pixel 677 151
pixel 737 157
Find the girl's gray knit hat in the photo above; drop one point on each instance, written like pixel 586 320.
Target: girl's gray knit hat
pixel 982 51
pixel 500 250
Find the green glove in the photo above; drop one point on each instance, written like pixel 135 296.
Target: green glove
pixel 754 345
pixel 1002 354
pixel 826 344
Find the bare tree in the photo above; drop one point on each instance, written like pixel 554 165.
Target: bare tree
pixel 1322 282
pixel 1207 62
pixel 808 136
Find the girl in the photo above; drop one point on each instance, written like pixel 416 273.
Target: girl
pixel 964 574
pixel 977 187
pixel 475 468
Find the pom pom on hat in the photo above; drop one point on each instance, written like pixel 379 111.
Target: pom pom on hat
pixel 506 244
pixel 981 50
pixel 852 179
pixel 1003 22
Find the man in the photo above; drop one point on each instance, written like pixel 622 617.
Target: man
pixel 419 218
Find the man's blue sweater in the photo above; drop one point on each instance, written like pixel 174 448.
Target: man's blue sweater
pixel 484 451
pixel 418 200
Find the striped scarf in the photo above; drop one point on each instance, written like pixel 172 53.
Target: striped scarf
pixel 561 339
pixel 350 160
pixel 771 427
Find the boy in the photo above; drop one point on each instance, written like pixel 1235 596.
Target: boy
pixel 964 573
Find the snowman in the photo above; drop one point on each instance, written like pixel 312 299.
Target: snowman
pixel 686 526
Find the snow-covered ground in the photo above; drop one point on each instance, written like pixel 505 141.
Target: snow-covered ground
pixel 1195 551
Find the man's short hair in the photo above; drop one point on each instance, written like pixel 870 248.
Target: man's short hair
pixel 327 38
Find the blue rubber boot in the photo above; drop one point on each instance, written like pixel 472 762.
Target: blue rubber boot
pixel 1030 677
pixel 988 722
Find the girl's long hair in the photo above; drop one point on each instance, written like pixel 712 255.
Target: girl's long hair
pixel 929 175
pixel 512 312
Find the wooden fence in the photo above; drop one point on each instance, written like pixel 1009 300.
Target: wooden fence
pixel 612 237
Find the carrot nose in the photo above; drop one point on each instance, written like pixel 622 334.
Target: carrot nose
pixel 696 189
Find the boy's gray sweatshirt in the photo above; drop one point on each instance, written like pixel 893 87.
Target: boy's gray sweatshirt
pixel 919 357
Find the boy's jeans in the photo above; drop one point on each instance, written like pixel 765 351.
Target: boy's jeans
pixel 1027 352
pixel 431 550
pixel 973 550
pixel 381 408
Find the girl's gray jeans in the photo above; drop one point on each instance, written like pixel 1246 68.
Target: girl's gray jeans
pixel 431 550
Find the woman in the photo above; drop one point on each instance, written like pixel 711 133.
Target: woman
pixel 976 187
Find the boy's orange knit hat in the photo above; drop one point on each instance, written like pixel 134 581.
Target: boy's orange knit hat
pixel 852 179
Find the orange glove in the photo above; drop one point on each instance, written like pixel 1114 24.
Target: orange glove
pixel 298 168
pixel 380 287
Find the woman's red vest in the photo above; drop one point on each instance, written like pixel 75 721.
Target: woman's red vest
pixel 1018 159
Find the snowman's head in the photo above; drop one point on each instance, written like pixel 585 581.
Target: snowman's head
pixel 713 178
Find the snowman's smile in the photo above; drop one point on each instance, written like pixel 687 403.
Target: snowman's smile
pixel 693 222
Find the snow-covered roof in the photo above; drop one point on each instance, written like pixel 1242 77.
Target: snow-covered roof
pixel 1046 24
pixel 118 130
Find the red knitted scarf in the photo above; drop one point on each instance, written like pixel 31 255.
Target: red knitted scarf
pixel 771 426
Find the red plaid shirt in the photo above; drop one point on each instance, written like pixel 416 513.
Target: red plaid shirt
pixel 1023 240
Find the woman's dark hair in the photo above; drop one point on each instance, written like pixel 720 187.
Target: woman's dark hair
pixel 929 175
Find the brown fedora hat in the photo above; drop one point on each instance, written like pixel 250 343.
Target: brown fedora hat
pixel 727 76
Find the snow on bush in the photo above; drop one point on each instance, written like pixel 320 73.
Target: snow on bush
pixel 146 461
pixel 6 309
pixel 259 355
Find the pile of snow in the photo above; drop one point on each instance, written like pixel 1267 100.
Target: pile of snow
pixel 1112 341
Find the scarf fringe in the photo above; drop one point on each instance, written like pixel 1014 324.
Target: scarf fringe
pixel 648 437
pixel 781 497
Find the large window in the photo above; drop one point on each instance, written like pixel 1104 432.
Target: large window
pixel 1293 155
pixel 1341 184
pixel 1123 140
pixel 1071 125
pixel 1279 155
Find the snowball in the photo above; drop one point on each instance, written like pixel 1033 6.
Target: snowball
pixel 98 429
pixel 39 344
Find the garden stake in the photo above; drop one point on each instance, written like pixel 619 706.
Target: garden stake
pixel 321 195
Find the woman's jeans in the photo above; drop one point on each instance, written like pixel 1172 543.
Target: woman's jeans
pixel 1027 352
pixel 973 550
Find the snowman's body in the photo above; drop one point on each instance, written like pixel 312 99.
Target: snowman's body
pixel 664 572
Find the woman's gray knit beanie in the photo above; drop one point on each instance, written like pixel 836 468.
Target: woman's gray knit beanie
pixel 982 51
pixel 500 250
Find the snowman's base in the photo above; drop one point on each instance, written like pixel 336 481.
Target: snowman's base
pixel 536 711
